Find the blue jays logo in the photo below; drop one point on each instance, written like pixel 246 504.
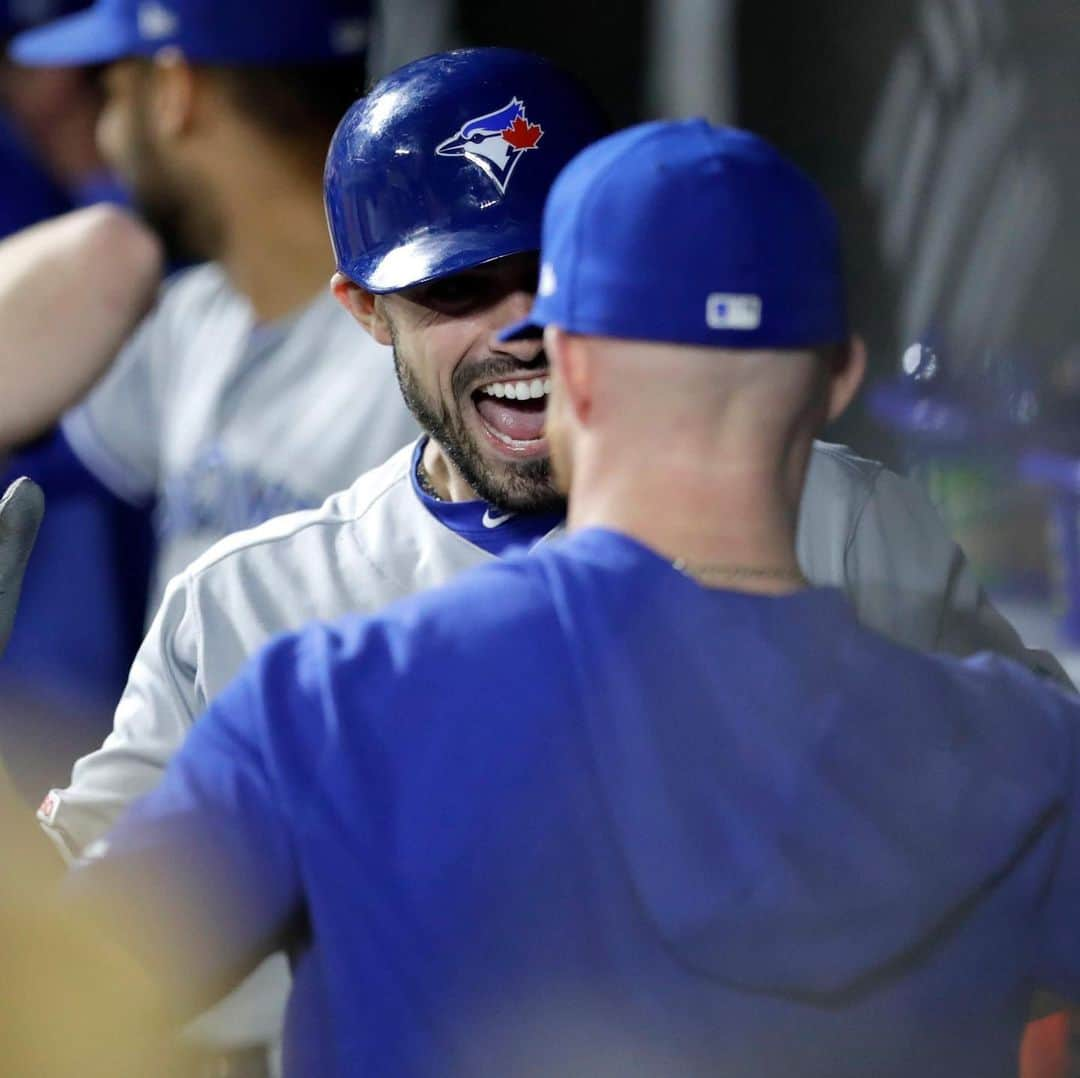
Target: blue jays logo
pixel 495 141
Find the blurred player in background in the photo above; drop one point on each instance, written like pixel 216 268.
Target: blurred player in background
pixel 49 163
pixel 647 777
pixel 246 393
pixel 55 110
pixel 435 186
pixel 49 155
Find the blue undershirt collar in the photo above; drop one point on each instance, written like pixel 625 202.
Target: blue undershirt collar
pixel 482 524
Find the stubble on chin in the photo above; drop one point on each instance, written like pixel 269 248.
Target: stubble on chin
pixel 519 488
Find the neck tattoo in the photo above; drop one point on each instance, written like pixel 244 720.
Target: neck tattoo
pixel 705 572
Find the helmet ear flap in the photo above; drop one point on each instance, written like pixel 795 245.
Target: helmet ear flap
pixel 447 162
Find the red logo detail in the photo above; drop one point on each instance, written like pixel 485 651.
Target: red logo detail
pixel 48 807
pixel 523 135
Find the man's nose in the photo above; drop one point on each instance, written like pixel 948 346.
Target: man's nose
pixel 513 308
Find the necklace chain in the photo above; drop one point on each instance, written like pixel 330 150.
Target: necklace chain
pixel 697 570
pixel 704 570
pixel 425 482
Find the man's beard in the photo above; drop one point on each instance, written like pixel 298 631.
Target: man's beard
pixel 523 487
pixel 184 219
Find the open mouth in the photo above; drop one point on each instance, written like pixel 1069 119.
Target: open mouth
pixel 512 412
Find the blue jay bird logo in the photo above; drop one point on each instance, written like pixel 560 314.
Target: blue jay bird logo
pixel 495 141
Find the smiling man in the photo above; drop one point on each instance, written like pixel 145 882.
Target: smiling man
pixel 482 406
pixel 641 803
pixel 436 255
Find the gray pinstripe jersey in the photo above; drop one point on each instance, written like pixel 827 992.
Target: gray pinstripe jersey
pixel 228 424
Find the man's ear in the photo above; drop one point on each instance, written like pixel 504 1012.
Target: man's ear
pixel 175 93
pixel 847 375
pixel 360 303
pixel 567 356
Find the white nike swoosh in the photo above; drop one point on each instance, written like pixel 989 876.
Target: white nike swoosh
pixel 493 520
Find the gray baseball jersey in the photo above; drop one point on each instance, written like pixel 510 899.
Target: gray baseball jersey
pixel 228 423
pixel 861 528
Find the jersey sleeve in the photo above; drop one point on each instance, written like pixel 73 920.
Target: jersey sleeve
pixel 199 879
pixel 116 429
pixel 908 579
pixel 156 712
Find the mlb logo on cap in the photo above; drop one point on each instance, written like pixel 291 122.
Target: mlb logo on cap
pixel 725 311
pixel 692 234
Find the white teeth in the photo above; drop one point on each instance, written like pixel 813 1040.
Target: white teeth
pixel 522 391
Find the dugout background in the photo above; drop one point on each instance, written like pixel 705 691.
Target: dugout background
pixel 946 132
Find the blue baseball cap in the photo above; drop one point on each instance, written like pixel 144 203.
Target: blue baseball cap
pixel 693 234
pixel 19 15
pixel 228 32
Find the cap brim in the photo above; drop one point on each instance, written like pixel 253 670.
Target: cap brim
pixel 524 330
pixel 93 36
pixel 438 253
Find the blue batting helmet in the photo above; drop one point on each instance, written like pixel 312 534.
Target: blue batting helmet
pixel 447 162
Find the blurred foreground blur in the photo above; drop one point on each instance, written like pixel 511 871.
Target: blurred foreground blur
pixel 70 1007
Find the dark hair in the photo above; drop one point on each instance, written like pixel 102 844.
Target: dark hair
pixel 298 103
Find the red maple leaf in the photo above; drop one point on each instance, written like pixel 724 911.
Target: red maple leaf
pixel 523 135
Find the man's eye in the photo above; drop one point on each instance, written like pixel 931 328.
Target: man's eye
pixel 452 294
pixel 451 290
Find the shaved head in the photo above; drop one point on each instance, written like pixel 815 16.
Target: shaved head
pixel 641 432
pixel 744 408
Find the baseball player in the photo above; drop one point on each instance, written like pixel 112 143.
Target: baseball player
pixel 435 219
pixel 641 801
pixel 48 165
pixel 53 111
pixel 437 253
pixel 434 212
pixel 247 392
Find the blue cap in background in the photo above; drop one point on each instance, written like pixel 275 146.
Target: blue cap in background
pixel 228 32
pixel 693 234
pixel 19 15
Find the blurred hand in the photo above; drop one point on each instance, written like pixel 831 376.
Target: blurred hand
pixel 21 510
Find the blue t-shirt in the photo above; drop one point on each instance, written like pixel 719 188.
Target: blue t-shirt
pixel 574 810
